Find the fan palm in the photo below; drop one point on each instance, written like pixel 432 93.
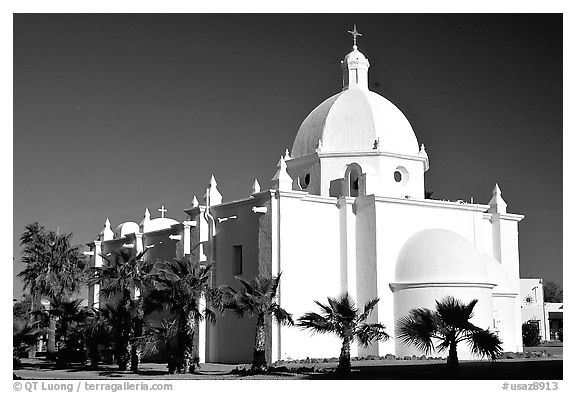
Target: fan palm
pixel 104 327
pixel 448 325
pixel 258 299
pixel 54 268
pixel 121 278
pixel 341 317
pixel 158 334
pixel 67 314
pixel 181 284
pixel 24 335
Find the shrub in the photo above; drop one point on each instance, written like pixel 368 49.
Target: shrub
pixel 530 334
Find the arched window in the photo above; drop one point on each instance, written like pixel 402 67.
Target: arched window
pixel 304 180
pixel 401 175
pixel 352 176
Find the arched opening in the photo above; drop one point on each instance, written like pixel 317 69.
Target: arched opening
pixel 304 180
pixel 352 176
pixel 401 175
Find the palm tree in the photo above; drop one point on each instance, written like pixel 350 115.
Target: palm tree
pixel 54 269
pixel 341 317
pixel 105 326
pixel 448 325
pixel 68 315
pixel 122 277
pixel 24 336
pixel 258 299
pixel 158 334
pixel 181 285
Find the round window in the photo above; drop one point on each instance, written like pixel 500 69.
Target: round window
pixel 401 175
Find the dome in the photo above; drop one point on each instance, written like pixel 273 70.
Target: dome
pixel 351 121
pixel 127 228
pixel 497 275
pixel 160 223
pixel 355 55
pixel 439 255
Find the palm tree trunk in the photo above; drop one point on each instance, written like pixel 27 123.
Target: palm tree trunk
pixel 190 359
pixel 344 361
pixel 121 351
pixel 135 347
pixel 183 357
pixel 93 354
pixel 51 345
pixel 61 354
pixel 453 355
pixel 259 363
pixel 195 362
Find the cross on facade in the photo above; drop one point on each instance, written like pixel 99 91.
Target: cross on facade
pixel 162 210
pixel 355 34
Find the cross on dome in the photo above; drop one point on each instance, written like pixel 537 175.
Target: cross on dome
pixel 162 210
pixel 355 34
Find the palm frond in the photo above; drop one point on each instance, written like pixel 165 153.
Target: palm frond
pixel 485 343
pixel 316 323
pixel 274 285
pixel 368 309
pixel 418 329
pixel 247 286
pixel 455 313
pixel 366 333
pixel 282 316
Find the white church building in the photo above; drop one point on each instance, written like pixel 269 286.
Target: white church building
pixel 345 211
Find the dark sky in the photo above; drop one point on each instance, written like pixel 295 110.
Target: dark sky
pixel 117 113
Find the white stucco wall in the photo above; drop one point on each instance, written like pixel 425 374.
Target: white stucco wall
pixel 407 299
pixel 505 322
pixel 397 220
pixel 309 236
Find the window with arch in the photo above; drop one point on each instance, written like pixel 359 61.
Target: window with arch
pixel 401 175
pixel 353 173
pixel 304 180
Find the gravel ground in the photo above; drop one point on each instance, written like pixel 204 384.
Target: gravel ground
pixel 532 369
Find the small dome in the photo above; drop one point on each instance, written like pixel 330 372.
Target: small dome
pixel 127 228
pixel 355 55
pixel 160 223
pixel 439 255
pixel 351 121
pixel 497 275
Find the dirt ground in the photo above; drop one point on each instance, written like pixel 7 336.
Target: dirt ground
pixel 509 369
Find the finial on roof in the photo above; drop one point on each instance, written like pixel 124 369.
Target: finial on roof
pixel 287 155
pixel 107 233
pixel 422 153
pixel 214 196
pixel 162 210
pixel 195 201
pixel 147 214
pixel 496 190
pixel 497 203
pixel 213 182
pixel 282 180
pixel 319 147
pixel 355 34
pixel 255 187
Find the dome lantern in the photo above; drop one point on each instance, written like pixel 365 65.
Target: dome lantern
pixel 355 67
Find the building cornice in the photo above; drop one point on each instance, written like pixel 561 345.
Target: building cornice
pixel 436 284
pixel 434 203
